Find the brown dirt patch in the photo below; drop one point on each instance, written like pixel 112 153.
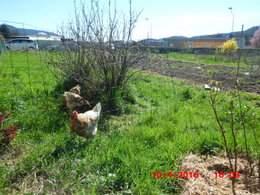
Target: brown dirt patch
pixel 198 73
pixel 207 183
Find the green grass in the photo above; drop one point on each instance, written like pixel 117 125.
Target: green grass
pixel 205 59
pixel 166 120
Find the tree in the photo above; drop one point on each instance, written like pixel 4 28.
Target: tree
pixel 4 30
pixel 14 32
pixel 255 40
pixel 102 57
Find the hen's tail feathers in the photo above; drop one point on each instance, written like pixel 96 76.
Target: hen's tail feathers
pixel 87 103
pixel 97 108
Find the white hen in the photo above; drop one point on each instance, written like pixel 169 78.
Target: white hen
pixel 85 124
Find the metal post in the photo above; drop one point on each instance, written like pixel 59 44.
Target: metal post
pixel 233 18
pixel 147 19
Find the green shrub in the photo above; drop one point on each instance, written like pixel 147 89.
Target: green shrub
pixel 2 38
pixel 1 43
pixel 186 94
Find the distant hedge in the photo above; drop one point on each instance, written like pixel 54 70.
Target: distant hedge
pixel 204 51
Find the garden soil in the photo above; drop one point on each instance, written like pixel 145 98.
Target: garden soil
pixel 249 77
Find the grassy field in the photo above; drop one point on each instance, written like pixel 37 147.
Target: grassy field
pixel 205 59
pixel 166 120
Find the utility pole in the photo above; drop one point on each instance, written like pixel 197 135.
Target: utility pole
pixel 151 29
pixel 233 18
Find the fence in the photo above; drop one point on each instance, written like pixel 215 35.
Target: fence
pixel 31 97
pixel 25 78
pixel 27 86
pixel 27 71
pixel 202 50
pixel 22 80
pixel 245 57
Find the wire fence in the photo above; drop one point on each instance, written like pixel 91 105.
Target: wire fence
pixel 25 78
pixel 22 72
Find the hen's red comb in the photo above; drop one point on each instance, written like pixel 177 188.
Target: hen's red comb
pixel 74 114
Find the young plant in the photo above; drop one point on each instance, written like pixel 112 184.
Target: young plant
pixel 213 100
pixel 9 133
pixel 237 116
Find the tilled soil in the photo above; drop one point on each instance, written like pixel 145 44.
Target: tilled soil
pixel 249 77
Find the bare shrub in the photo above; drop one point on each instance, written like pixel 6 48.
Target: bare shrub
pixel 102 55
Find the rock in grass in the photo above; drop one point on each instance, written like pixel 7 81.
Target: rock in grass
pixel 206 87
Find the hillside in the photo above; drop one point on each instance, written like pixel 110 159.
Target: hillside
pixel 249 32
pixel 26 31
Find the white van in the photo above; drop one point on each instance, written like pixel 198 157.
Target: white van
pixel 21 44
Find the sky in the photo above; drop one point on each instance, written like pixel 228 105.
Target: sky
pixel 159 18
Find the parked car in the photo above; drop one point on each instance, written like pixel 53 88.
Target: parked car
pixel 21 44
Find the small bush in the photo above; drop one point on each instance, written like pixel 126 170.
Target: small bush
pixel 2 38
pixel 229 46
pixel 186 94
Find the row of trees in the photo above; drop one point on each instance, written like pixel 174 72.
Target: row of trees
pixel 6 32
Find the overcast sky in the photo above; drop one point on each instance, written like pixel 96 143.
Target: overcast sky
pixel 164 17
